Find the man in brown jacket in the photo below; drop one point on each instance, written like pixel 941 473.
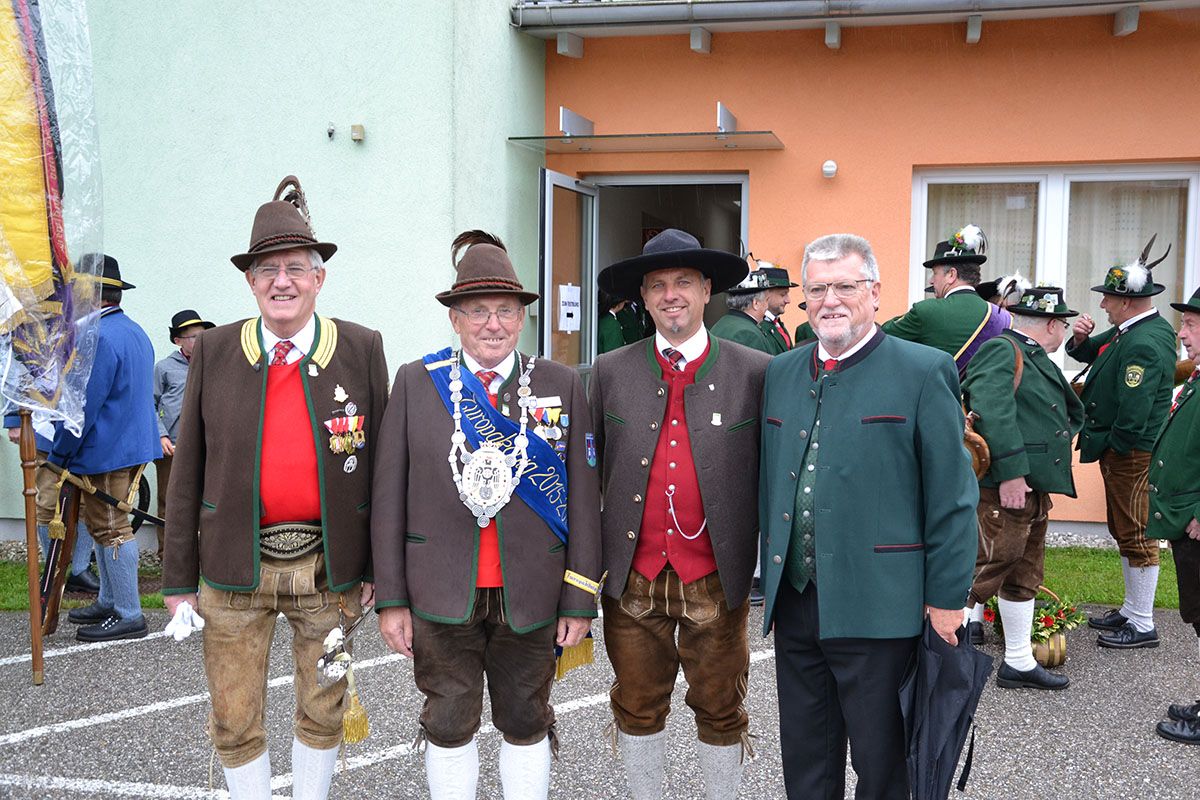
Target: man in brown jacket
pixel 486 563
pixel 677 434
pixel 282 517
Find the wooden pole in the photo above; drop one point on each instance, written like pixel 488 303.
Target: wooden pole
pixel 28 468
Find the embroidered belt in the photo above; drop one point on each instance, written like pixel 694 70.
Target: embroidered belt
pixel 289 539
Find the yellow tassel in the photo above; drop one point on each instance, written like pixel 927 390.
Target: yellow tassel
pixel 58 528
pixel 575 656
pixel 355 726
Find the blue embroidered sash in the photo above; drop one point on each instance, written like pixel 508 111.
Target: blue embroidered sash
pixel 543 485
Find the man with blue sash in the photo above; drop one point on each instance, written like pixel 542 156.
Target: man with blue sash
pixel 485 529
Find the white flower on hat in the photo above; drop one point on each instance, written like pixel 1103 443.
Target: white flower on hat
pixel 971 237
pixel 1136 276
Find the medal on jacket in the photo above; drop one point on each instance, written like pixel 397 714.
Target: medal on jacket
pixel 488 478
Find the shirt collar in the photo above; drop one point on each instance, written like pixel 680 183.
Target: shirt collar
pixel 960 289
pixel 502 370
pixel 302 342
pixel 823 354
pixel 769 317
pixel 1129 323
pixel 692 348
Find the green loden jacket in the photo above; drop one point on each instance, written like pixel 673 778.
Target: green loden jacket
pixel 947 323
pixel 1128 388
pixel 1028 432
pixel 804 333
pixel 1175 469
pixel 779 344
pixel 609 335
pixel 895 497
pixel 737 326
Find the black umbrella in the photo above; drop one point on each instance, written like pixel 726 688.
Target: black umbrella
pixel 938 699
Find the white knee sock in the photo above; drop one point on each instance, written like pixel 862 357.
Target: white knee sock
pixel 975 613
pixel 1017 618
pixel 453 772
pixel 1140 585
pixel 525 770
pixel 312 771
pixel 722 768
pixel 250 781
pixel 645 763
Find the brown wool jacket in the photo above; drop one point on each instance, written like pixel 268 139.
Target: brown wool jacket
pixel 426 542
pixel 629 401
pixel 214 475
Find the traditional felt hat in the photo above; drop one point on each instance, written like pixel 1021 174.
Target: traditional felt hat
pixel 282 224
pixel 753 283
pixel 484 269
pixel 965 246
pixel 777 277
pixel 185 319
pixel 1008 287
pixel 1136 279
pixel 1192 305
pixel 1042 301
pixel 673 249
pixel 110 274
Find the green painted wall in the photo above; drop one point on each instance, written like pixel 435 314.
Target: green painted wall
pixel 204 106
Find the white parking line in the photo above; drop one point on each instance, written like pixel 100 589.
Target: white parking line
pixel 82 786
pixel 25 658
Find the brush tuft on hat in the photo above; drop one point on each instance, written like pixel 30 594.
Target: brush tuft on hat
pixel 1136 276
pixel 467 239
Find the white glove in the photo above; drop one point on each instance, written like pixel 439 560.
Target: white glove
pixel 184 622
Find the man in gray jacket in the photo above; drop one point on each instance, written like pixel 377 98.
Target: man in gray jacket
pixel 677 432
pixel 170 376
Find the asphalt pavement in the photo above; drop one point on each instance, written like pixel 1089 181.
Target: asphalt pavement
pixel 126 720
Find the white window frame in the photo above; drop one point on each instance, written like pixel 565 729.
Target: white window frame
pixel 1050 255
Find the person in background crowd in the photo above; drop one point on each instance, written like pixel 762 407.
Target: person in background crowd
pixel 747 303
pixel 778 298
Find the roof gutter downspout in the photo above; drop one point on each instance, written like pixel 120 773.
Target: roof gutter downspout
pixel 698 12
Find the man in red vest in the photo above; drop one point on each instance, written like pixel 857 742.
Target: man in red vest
pixel 677 432
pixel 272 467
pixel 485 530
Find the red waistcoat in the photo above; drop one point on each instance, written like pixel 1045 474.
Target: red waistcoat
pixel 287 479
pixel 661 541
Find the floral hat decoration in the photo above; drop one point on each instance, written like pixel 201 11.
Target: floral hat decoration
pixel 967 245
pixel 1136 279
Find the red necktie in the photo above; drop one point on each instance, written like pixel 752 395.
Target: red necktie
pixel 787 340
pixel 675 357
pixel 829 364
pixel 1191 379
pixel 280 352
pixel 1104 346
pixel 486 376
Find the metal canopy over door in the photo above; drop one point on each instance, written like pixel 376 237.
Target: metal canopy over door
pixel 566 330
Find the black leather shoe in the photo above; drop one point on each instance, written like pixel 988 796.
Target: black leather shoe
pixel 1180 731
pixel 1128 637
pixel 85 582
pixel 1036 678
pixel 756 596
pixel 975 629
pixel 1110 621
pixel 113 628
pixel 89 615
pixel 1184 712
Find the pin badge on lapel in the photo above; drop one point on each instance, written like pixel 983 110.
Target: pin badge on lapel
pixel 339 394
pixel 312 370
pixel 716 420
pixel 712 388
pixel 350 465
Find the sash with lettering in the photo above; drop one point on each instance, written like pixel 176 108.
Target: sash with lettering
pixel 543 487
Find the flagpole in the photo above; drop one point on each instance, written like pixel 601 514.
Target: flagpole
pixel 28 466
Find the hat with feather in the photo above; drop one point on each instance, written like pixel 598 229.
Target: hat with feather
pixel 484 269
pixel 1136 279
pixel 1009 288
pixel 282 224
pixel 967 245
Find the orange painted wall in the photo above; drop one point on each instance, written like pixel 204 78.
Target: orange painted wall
pixel 891 100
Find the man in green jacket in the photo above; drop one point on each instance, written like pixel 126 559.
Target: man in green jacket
pixel 778 297
pixel 1028 414
pixel 1126 398
pixel 747 304
pixel 864 537
pixel 1175 506
pixel 609 333
pixel 956 320
pixel 804 331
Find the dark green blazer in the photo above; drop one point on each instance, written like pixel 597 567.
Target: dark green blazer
pixel 804 333
pixel 1175 470
pixel 609 336
pixel 737 326
pixel 1028 432
pixel 1128 388
pixel 947 323
pixel 895 495
pixel 779 344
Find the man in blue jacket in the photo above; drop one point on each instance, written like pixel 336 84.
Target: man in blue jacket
pixel 119 436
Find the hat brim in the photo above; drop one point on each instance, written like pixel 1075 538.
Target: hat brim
pixel 176 330
pixel 116 283
pixel 449 298
pixel 243 260
pixel 1194 309
pixel 1154 288
pixel 950 261
pixel 1027 312
pixel 624 278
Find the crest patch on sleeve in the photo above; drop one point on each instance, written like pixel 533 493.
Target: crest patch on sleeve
pixel 1134 375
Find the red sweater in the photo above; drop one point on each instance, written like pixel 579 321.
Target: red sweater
pixel 660 541
pixel 288 484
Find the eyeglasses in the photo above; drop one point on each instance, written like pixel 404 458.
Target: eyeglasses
pixel 480 316
pixel 815 292
pixel 293 271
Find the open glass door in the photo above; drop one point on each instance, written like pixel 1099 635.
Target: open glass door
pixel 567 283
